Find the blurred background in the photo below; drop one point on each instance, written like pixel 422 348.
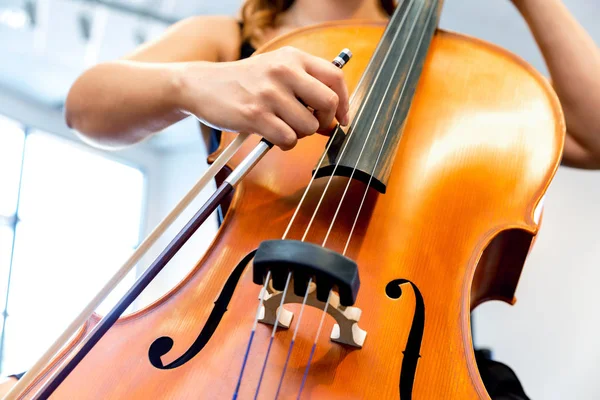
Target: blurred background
pixel 71 214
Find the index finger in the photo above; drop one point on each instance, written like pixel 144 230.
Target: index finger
pixel 333 77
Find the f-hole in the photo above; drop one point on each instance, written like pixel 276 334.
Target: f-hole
pixel 415 337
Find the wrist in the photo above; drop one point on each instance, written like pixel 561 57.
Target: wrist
pixel 177 86
pixel 184 85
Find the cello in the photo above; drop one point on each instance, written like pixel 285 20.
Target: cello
pixel 346 268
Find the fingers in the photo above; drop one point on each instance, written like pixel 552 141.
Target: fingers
pixel 318 96
pixel 295 114
pixel 276 131
pixel 332 77
pixel 295 83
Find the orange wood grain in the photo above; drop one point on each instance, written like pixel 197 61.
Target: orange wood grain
pixel 483 140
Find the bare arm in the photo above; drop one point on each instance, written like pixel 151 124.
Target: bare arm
pixel 573 60
pixel 122 102
pixel 191 71
pixel 6 384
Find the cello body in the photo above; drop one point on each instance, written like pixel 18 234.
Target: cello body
pixel 479 149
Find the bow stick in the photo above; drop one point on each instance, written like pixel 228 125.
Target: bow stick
pixel 180 239
pixel 137 255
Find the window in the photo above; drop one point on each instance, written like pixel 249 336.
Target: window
pixel 69 218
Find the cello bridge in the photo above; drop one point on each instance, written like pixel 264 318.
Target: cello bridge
pixel 346 330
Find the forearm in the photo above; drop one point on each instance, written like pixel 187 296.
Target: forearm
pixel 573 60
pixel 6 385
pixel 120 103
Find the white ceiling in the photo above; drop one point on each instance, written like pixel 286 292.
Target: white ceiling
pixel 40 61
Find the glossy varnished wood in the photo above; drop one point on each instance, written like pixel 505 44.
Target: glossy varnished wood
pixel 482 142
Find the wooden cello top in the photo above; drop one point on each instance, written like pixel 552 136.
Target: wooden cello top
pixel 480 146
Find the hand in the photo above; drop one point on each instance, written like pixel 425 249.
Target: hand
pixel 263 95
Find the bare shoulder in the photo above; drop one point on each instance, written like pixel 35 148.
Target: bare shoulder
pixel 199 38
pixel 222 32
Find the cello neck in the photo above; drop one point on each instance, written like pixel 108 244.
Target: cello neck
pixel 383 97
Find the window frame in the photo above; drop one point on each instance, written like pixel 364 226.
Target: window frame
pixel 13 221
pixel 144 163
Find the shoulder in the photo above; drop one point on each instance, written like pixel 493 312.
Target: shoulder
pixel 206 38
pixel 222 32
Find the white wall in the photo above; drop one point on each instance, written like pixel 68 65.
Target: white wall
pixel 40 116
pixel 21 351
pixel 169 176
pixel 550 336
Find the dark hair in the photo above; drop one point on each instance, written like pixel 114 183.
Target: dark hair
pixel 260 14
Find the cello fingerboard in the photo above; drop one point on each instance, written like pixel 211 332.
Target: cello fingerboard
pixel 366 149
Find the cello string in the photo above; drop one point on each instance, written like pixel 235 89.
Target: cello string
pixel 315 211
pixel 344 195
pixel 239 382
pixel 347 140
pixel 373 124
pixel 412 64
pixel 362 108
pixel 306 232
pixel 262 372
pixel 264 289
pixel 314 346
pixel 308 187
pixel 350 133
pixel 293 338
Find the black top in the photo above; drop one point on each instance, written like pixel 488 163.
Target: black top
pixel 246 50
